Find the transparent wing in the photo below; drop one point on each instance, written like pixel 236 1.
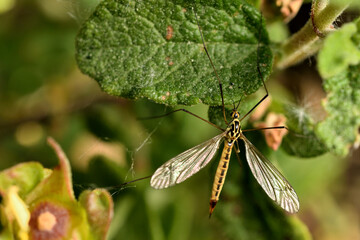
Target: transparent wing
pixel 186 164
pixel 271 180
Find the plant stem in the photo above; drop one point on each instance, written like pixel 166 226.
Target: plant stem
pixel 307 41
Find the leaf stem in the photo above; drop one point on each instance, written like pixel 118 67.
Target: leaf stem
pixel 307 40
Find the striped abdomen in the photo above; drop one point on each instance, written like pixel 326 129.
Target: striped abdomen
pixel 220 175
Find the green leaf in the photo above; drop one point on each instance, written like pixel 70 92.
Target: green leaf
pixel 339 66
pixel 24 175
pixel 59 177
pixel 278 31
pixel 153 49
pixel 353 4
pixel 99 207
pixel 339 130
pixel 340 50
pixel 301 140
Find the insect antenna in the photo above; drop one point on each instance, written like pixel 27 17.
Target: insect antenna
pixel 259 73
pixel 212 65
pixel 237 106
pixel 183 110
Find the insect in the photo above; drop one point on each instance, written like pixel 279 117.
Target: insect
pixel 186 164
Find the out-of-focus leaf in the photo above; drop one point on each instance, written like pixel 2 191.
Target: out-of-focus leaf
pixel 339 130
pixel 33 55
pixel 153 49
pixel 16 213
pixel 353 3
pixel 339 66
pixel 340 50
pixel 301 140
pixel 55 213
pixel 99 207
pixel 25 176
pixel 60 177
pixel 278 31
pixel 6 5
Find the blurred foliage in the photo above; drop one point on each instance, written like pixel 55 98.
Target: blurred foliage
pixel 45 208
pixel 301 140
pixel 331 60
pixel 341 73
pixel 42 93
pixel 341 127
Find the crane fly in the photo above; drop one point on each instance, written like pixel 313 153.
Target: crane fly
pixel 186 164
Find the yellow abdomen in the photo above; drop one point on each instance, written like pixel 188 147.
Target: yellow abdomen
pixel 220 175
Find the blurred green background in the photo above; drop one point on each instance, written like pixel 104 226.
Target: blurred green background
pixel 42 93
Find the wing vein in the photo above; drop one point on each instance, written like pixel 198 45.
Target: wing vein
pixel 270 179
pixel 186 164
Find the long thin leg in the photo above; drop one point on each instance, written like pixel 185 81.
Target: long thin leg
pixel 266 128
pixel 237 147
pixel 260 75
pixel 277 127
pixel 212 64
pixel 237 151
pixel 121 186
pixel 184 110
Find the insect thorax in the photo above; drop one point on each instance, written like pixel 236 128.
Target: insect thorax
pixel 233 131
